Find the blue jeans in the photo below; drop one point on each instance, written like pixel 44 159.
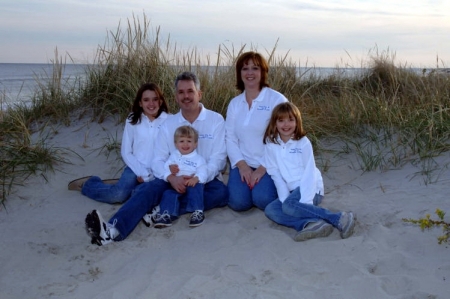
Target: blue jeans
pixel 192 199
pixel 242 198
pixel 95 189
pixel 147 195
pixel 292 213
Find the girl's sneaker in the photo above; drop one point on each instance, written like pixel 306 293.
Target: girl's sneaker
pixel 319 229
pixel 347 224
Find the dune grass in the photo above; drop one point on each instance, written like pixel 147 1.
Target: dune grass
pixel 388 116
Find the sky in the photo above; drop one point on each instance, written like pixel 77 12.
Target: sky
pixel 330 33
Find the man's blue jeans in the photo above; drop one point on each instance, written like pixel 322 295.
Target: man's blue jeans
pixel 242 198
pixel 192 200
pixel 147 195
pixel 292 213
pixel 95 189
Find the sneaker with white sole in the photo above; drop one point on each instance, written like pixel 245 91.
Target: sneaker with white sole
pixel 319 229
pixel 347 224
pixel 197 218
pixel 149 218
pixel 101 232
pixel 162 220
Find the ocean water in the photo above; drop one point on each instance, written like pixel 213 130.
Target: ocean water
pixel 18 80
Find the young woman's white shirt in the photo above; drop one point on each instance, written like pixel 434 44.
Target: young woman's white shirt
pixel 189 164
pixel 292 165
pixel 138 144
pixel 211 142
pixel 245 127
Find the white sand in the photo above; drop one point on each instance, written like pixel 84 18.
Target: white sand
pixel 45 252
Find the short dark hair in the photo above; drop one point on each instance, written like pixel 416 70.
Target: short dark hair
pixel 187 76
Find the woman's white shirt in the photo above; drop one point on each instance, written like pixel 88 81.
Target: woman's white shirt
pixel 292 165
pixel 245 127
pixel 138 144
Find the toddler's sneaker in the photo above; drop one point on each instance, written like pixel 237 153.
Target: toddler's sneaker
pixel 149 218
pixel 162 220
pixel 101 232
pixel 347 224
pixel 313 230
pixel 197 218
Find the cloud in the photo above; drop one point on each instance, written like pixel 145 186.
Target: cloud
pixel 322 31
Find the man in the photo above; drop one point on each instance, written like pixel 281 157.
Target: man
pixel 211 145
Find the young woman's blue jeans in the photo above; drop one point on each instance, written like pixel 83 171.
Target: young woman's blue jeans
pixel 95 189
pixel 191 200
pixel 242 198
pixel 147 195
pixel 292 213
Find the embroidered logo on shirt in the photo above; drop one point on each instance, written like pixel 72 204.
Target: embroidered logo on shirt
pixel 205 136
pixel 263 108
pixel 190 163
pixel 295 151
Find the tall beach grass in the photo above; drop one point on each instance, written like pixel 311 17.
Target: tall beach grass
pixel 388 116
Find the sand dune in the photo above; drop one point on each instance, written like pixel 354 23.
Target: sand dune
pixel 45 252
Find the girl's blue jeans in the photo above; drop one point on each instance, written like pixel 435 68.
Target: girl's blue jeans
pixel 95 189
pixel 292 213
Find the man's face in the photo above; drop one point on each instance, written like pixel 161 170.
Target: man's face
pixel 187 95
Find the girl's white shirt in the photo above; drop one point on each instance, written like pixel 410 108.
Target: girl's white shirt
pixel 138 144
pixel 245 127
pixel 292 165
pixel 190 164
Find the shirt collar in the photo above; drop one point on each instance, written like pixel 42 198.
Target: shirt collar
pixel 260 96
pixel 201 116
pixel 280 141
pixel 190 155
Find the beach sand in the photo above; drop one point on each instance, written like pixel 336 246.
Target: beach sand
pixel 46 253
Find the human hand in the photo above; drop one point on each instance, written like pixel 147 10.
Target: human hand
pixel 177 183
pixel 192 181
pixel 174 169
pixel 140 179
pixel 245 171
pixel 256 176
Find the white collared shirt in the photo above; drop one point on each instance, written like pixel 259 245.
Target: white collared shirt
pixel 245 127
pixel 292 165
pixel 211 142
pixel 190 164
pixel 138 142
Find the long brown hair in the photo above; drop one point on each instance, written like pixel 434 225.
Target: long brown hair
pixel 137 110
pixel 257 60
pixel 283 110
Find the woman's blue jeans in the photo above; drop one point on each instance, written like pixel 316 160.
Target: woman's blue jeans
pixel 242 198
pixel 95 189
pixel 292 213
